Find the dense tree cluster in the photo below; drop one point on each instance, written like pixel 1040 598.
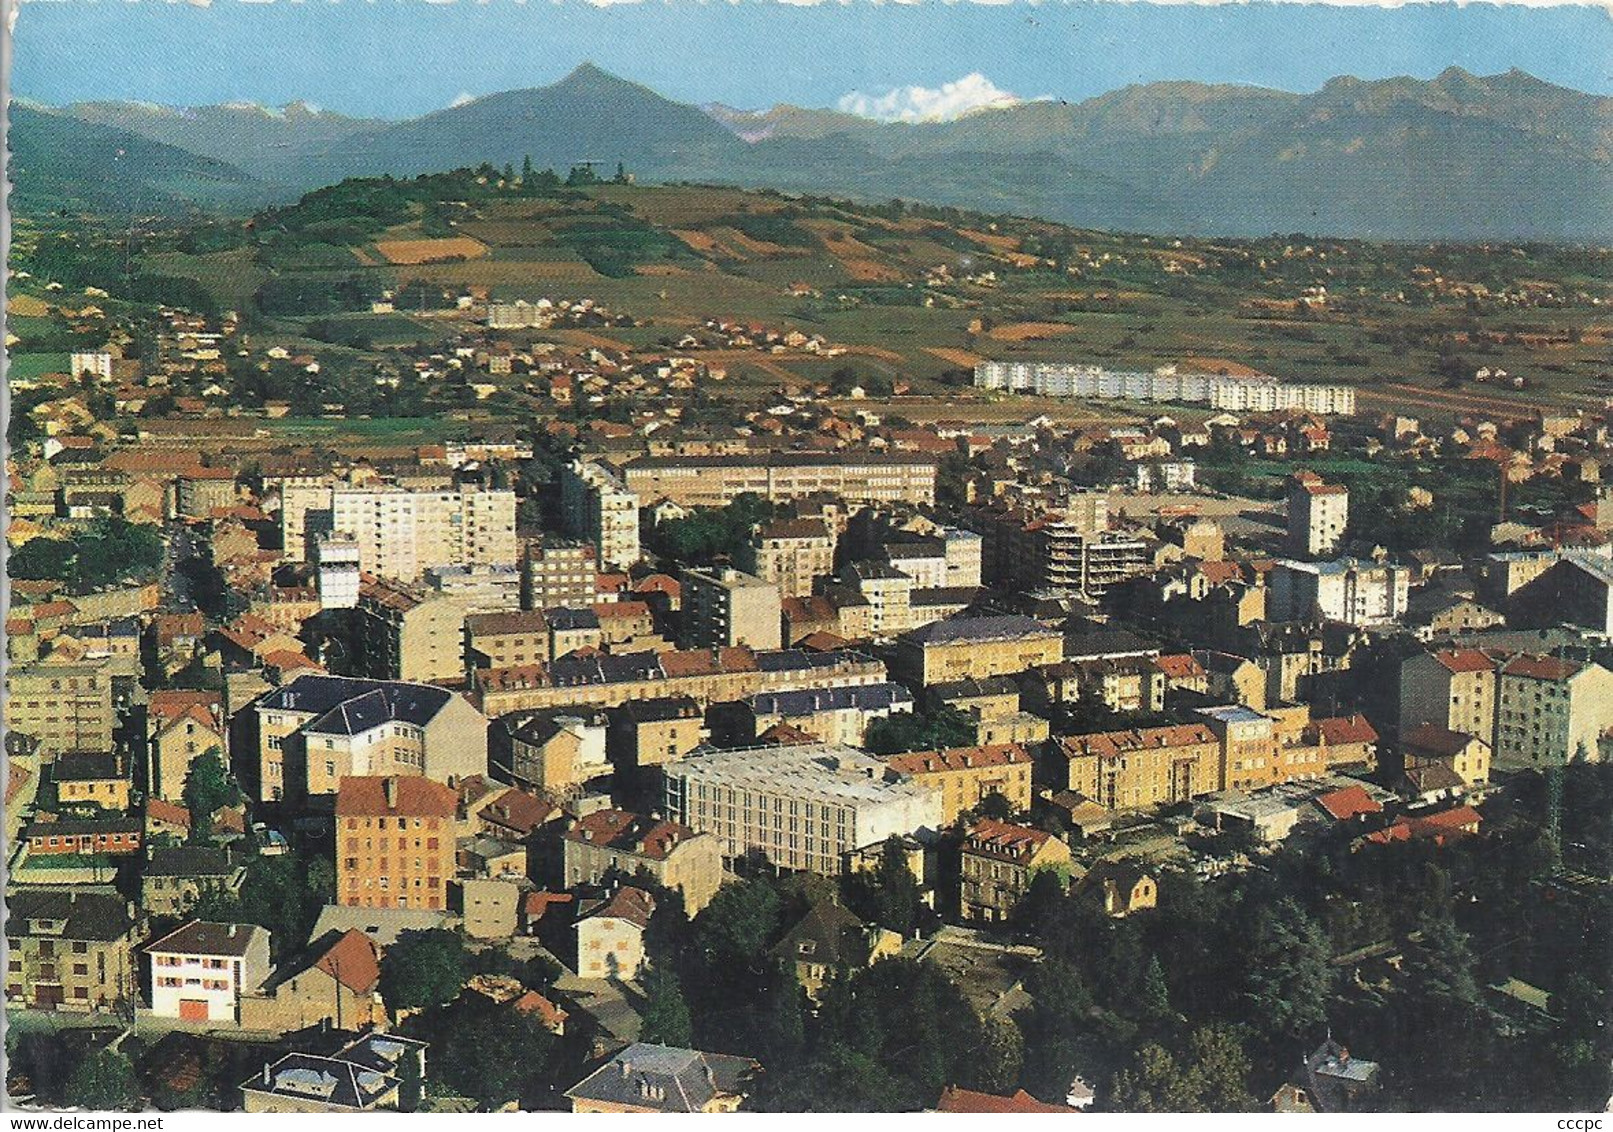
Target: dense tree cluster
pixel 103 552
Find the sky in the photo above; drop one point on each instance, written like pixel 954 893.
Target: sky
pixel 399 58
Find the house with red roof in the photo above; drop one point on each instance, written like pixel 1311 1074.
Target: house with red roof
pixel 999 860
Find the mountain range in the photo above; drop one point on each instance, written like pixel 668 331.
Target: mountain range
pixel 1457 157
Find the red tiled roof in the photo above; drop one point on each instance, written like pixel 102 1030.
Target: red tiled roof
pixel 1350 802
pixel 365 796
pixel 627 903
pixel 1465 660
pixel 159 810
pixel 1005 839
pixel 552 1016
pixel 1337 730
pixel 1179 666
pixel 1541 667
pixel 958 758
pixel 519 811
pixel 352 961
pixel 955 1099
pixel 627 832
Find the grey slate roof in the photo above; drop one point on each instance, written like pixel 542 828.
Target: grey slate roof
pixel 664 1078
pixel 92 916
pixel 962 630
pixel 377 701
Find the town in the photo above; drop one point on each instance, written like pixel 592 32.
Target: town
pixel 703 714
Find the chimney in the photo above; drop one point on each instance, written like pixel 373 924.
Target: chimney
pixel 266 1075
pixel 233 928
pixel 389 788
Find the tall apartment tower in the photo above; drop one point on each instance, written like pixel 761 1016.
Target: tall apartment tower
pixel 1318 513
pixel 598 506
pixel 339 571
pixel 724 607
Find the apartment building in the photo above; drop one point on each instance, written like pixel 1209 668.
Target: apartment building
pixel 70 950
pixel 180 725
pixel 624 843
pixel 555 752
pixel 974 648
pixel 645 733
pixel 201 970
pixel 599 506
pixel 1453 688
pixel 1256 394
pixel 724 607
pixel 1247 746
pixel 89 777
pixel 1550 711
pixel 556 574
pixel 401 533
pixel 1068 549
pixel 65 707
pixel 403 632
pixel 705 675
pixel 1466 756
pixel 805 807
pixel 1140 767
pixel 316 730
pixel 503 640
pixel 395 842
pixel 1347 589
pixel 716 481
pixel 791 554
pixel 1318 513
pixel 967 776
pixel 998 862
pixel 834 715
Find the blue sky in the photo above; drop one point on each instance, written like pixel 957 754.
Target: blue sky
pixel 396 58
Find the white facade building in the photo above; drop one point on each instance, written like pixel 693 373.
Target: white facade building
pixel 1348 590
pixel 200 971
pixel 1238 394
pixel 806 807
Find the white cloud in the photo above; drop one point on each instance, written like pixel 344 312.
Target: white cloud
pixel 930 104
pixel 461 99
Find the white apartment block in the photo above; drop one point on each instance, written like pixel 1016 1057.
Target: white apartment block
pixel 806 807
pixel 401 533
pixel 1238 394
pixel 200 971
pixel 1348 590
pixel 1318 514
pixel 598 506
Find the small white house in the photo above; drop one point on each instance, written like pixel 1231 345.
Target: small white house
pixel 200 971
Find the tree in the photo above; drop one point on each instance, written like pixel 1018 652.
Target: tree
pixel 836 1079
pixel 1289 974
pixel 780 1024
pixel 915 731
pixel 666 1014
pixel 105 1081
pixel 490 1052
pixel 411 1086
pixel 736 927
pixel 208 788
pixel 423 968
pixel 1154 998
pixel 890 895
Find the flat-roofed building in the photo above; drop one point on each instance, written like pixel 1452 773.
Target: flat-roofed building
pixel 716 481
pixel 723 607
pixel 805 807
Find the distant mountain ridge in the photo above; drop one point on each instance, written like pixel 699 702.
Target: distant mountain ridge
pixel 1457 157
